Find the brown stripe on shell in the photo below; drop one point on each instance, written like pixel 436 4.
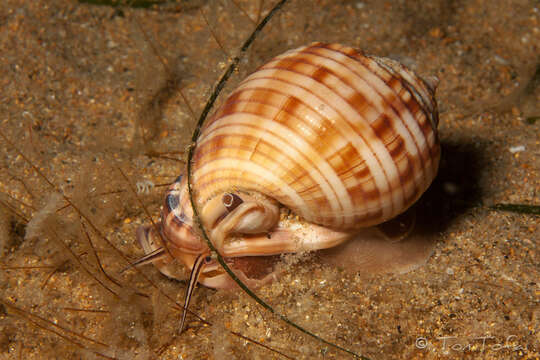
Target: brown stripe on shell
pixel 370 212
pixel 403 162
pixel 419 114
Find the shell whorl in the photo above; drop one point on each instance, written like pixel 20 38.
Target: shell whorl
pixel 342 139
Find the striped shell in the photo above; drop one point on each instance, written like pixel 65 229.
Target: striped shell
pixel 343 139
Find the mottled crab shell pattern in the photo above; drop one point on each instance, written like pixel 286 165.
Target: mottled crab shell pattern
pixel 343 139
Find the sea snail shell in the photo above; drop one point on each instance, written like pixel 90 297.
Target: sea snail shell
pixel 341 139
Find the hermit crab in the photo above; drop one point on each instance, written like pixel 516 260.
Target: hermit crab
pixel 317 144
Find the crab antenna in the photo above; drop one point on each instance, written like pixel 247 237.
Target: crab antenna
pixel 149 258
pixel 200 261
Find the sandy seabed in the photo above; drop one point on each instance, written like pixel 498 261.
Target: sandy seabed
pixel 90 93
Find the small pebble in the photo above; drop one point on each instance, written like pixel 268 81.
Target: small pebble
pixel 516 149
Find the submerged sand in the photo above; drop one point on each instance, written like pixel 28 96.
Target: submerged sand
pixel 91 93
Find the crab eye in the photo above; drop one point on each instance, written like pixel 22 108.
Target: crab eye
pixel 208 259
pixel 231 201
pixel 172 202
